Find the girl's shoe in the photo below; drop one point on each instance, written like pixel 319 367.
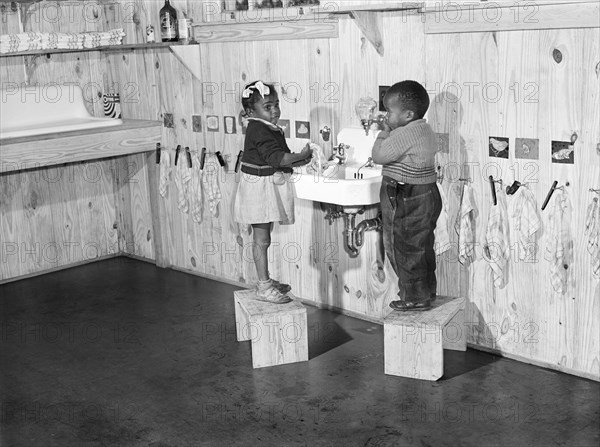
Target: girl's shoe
pixel 283 288
pixel 272 295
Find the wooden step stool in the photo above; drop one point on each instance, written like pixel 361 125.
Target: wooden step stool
pixel 278 332
pixel 414 342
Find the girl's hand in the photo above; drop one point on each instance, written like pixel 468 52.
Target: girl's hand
pixel 304 156
pixel 306 152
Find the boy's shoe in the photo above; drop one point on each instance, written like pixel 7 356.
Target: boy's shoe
pixel 283 288
pixel 405 306
pixel 272 295
pixel 432 297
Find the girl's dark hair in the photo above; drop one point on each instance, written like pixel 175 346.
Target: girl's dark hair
pixel 248 103
pixel 412 95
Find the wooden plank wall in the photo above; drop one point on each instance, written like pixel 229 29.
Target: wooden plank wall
pixel 322 80
pixel 65 215
pixel 509 85
pixel 56 216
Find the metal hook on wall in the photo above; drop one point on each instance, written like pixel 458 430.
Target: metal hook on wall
pixel 493 187
pixel 189 156
pixel 510 190
pixel 238 162
pixel 177 153
pixel 552 189
pixel 203 157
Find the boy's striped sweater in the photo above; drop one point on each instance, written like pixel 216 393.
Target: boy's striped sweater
pixel 408 153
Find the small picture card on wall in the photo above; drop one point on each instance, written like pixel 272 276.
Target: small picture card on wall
pixel 527 148
pixel 302 129
pixel 285 126
pixel 229 125
pixel 212 123
pixel 563 152
pixel 499 147
pixel 196 123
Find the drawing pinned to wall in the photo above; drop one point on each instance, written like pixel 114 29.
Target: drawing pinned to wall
pixel 498 147
pixel 527 148
pixel 196 123
pixel 444 142
pixel 382 91
pixel 241 5
pixel 212 123
pixel 243 121
pixel 302 129
pixel 563 152
pixel 285 126
pixel 229 125
pixel 168 120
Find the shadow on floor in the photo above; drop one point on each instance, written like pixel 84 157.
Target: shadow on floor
pixel 324 333
pixel 458 363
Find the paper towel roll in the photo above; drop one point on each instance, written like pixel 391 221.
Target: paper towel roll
pixel 361 145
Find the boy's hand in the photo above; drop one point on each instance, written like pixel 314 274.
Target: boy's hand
pixel 384 124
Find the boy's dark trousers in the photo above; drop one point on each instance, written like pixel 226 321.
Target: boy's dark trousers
pixel 409 214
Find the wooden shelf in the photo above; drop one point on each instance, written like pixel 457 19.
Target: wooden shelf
pixel 530 15
pixel 112 48
pixel 346 7
pixel 39 151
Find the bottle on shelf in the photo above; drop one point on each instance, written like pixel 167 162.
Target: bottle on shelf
pixel 168 23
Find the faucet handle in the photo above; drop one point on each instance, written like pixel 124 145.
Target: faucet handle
pixel 341 149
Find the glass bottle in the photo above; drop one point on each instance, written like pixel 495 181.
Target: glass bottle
pixel 168 23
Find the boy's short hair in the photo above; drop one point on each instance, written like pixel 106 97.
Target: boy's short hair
pixel 255 96
pixel 413 96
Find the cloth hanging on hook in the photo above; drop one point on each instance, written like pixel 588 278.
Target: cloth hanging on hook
pixel 592 231
pixel 183 175
pixel 164 173
pixel 464 226
pixel 559 248
pixel 210 183
pixel 496 246
pixel 441 236
pixel 196 189
pixel 525 223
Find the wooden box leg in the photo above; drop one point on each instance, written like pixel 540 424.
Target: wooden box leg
pixel 455 333
pixel 414 350
pixel 281 338
pixel 242 323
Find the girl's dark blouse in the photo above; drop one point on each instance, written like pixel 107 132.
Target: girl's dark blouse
pixel 265 146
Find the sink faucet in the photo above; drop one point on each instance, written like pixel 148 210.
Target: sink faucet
pixel 340 152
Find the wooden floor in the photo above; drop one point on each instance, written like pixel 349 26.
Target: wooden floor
pixel 121 353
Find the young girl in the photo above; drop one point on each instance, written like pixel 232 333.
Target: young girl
pixel 265 194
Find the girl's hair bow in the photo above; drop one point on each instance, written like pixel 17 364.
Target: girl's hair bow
pixel 262 89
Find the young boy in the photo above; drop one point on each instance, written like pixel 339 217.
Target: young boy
pixel 410 199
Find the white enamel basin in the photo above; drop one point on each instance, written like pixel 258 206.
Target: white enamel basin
pixel 36 110
pixel 340 187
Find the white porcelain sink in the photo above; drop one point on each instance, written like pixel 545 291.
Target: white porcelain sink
pixel 339 186
pixel 44 109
